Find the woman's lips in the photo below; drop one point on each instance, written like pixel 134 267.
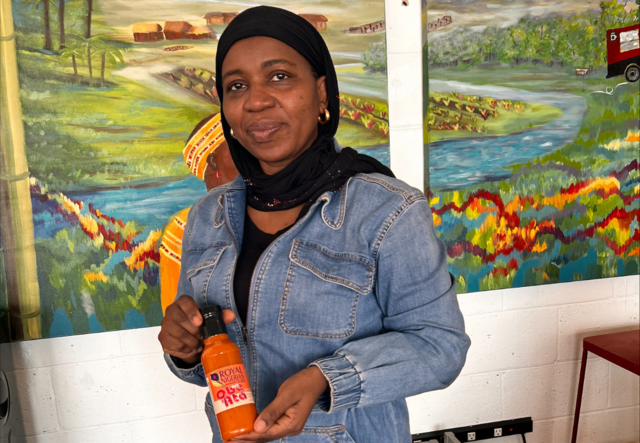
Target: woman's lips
pixel 263 131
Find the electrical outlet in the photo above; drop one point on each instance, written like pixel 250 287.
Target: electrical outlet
pixel 471 436
pixel 497 432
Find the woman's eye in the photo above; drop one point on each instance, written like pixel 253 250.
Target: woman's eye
pixel 235 86
pixel 279 77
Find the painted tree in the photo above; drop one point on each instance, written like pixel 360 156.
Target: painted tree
pixel 106 52
pixel 89 45
pixel 375 58
pixel 87 36
pixel 612 15
pixel 76 50
pixel 61 23
pixel 47 20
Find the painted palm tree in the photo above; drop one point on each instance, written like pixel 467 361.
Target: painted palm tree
pixel 106 52
pixel 47 22
pixel 76 50
pixel 89 45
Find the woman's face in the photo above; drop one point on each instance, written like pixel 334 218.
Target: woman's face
pixel 272 100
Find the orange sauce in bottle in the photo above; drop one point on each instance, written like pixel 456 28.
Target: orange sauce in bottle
pixel 227 378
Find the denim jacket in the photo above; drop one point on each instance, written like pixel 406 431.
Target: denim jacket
pixel 358 287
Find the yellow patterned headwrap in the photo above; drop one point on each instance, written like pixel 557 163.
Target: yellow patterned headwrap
pixel 203 142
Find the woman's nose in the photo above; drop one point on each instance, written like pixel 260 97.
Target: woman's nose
pixel 258 99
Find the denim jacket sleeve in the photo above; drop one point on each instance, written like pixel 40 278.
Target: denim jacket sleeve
pixel 425 347
pixel 195 374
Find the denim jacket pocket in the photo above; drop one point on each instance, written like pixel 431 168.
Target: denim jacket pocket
pixel 322 290
pixel 199 267
pixel 332 434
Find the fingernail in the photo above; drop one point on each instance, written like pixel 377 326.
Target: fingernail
pixel 200 349
pixel 260 426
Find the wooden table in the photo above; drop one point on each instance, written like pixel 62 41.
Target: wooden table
pixel 620 348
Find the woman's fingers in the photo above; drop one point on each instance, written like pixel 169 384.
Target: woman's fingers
pixel 175 347
pixel 276 409
pixel 277 420
pixel 282 428
pixel 179 332
pixel 288 412
pixel 285 426
pixel 185 337
pixel 190 309
pixel 228 316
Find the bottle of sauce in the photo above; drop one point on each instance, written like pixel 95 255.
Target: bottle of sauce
pixel 222 362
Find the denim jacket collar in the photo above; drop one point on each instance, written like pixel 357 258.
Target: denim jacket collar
pixel 234 197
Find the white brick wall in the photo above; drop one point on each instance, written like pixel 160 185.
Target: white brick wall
pixel 524 361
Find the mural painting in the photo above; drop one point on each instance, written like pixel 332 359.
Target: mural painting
pixel 532 126
pixel 109 92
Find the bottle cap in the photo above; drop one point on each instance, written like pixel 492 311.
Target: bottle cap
pixel 212 321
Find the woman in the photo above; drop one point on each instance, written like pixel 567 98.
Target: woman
pixel 336 287
pixel 207 155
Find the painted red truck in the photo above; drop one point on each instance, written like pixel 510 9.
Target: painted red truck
pixel 623 53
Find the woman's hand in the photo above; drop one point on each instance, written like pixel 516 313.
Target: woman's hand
pixel 289 411
pixel 180 334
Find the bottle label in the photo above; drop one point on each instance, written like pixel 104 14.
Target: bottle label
pixel 229 388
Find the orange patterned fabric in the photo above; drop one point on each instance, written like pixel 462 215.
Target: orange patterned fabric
pixel 170 258
pixel 202 143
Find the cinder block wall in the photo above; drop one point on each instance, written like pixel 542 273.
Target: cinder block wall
pixel 114 387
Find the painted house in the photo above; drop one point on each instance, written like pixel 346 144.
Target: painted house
pixel 229 16
pixel 371 28
pixel 214 18
pixel 219 18
pixel 147 32
pixel 201 33
pixel 318 21
pixel 437 24
pixel 176 30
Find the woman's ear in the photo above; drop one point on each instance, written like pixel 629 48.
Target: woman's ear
pixel 321 85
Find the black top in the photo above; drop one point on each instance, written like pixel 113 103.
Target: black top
pixel 254 243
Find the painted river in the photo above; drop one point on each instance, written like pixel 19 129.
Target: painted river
pixel 453 163
pixel 460 163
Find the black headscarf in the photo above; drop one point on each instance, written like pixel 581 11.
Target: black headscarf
pixel 320 168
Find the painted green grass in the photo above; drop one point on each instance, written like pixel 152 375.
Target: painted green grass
pixel 84 137
pixel 355 135
pixel 358 75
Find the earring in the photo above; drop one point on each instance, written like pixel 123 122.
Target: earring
pixel 232 134
pixel 324 117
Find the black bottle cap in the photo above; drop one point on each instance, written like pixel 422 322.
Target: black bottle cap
pixel 212 321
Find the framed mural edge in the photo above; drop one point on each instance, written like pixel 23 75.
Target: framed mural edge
pixel 531 119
